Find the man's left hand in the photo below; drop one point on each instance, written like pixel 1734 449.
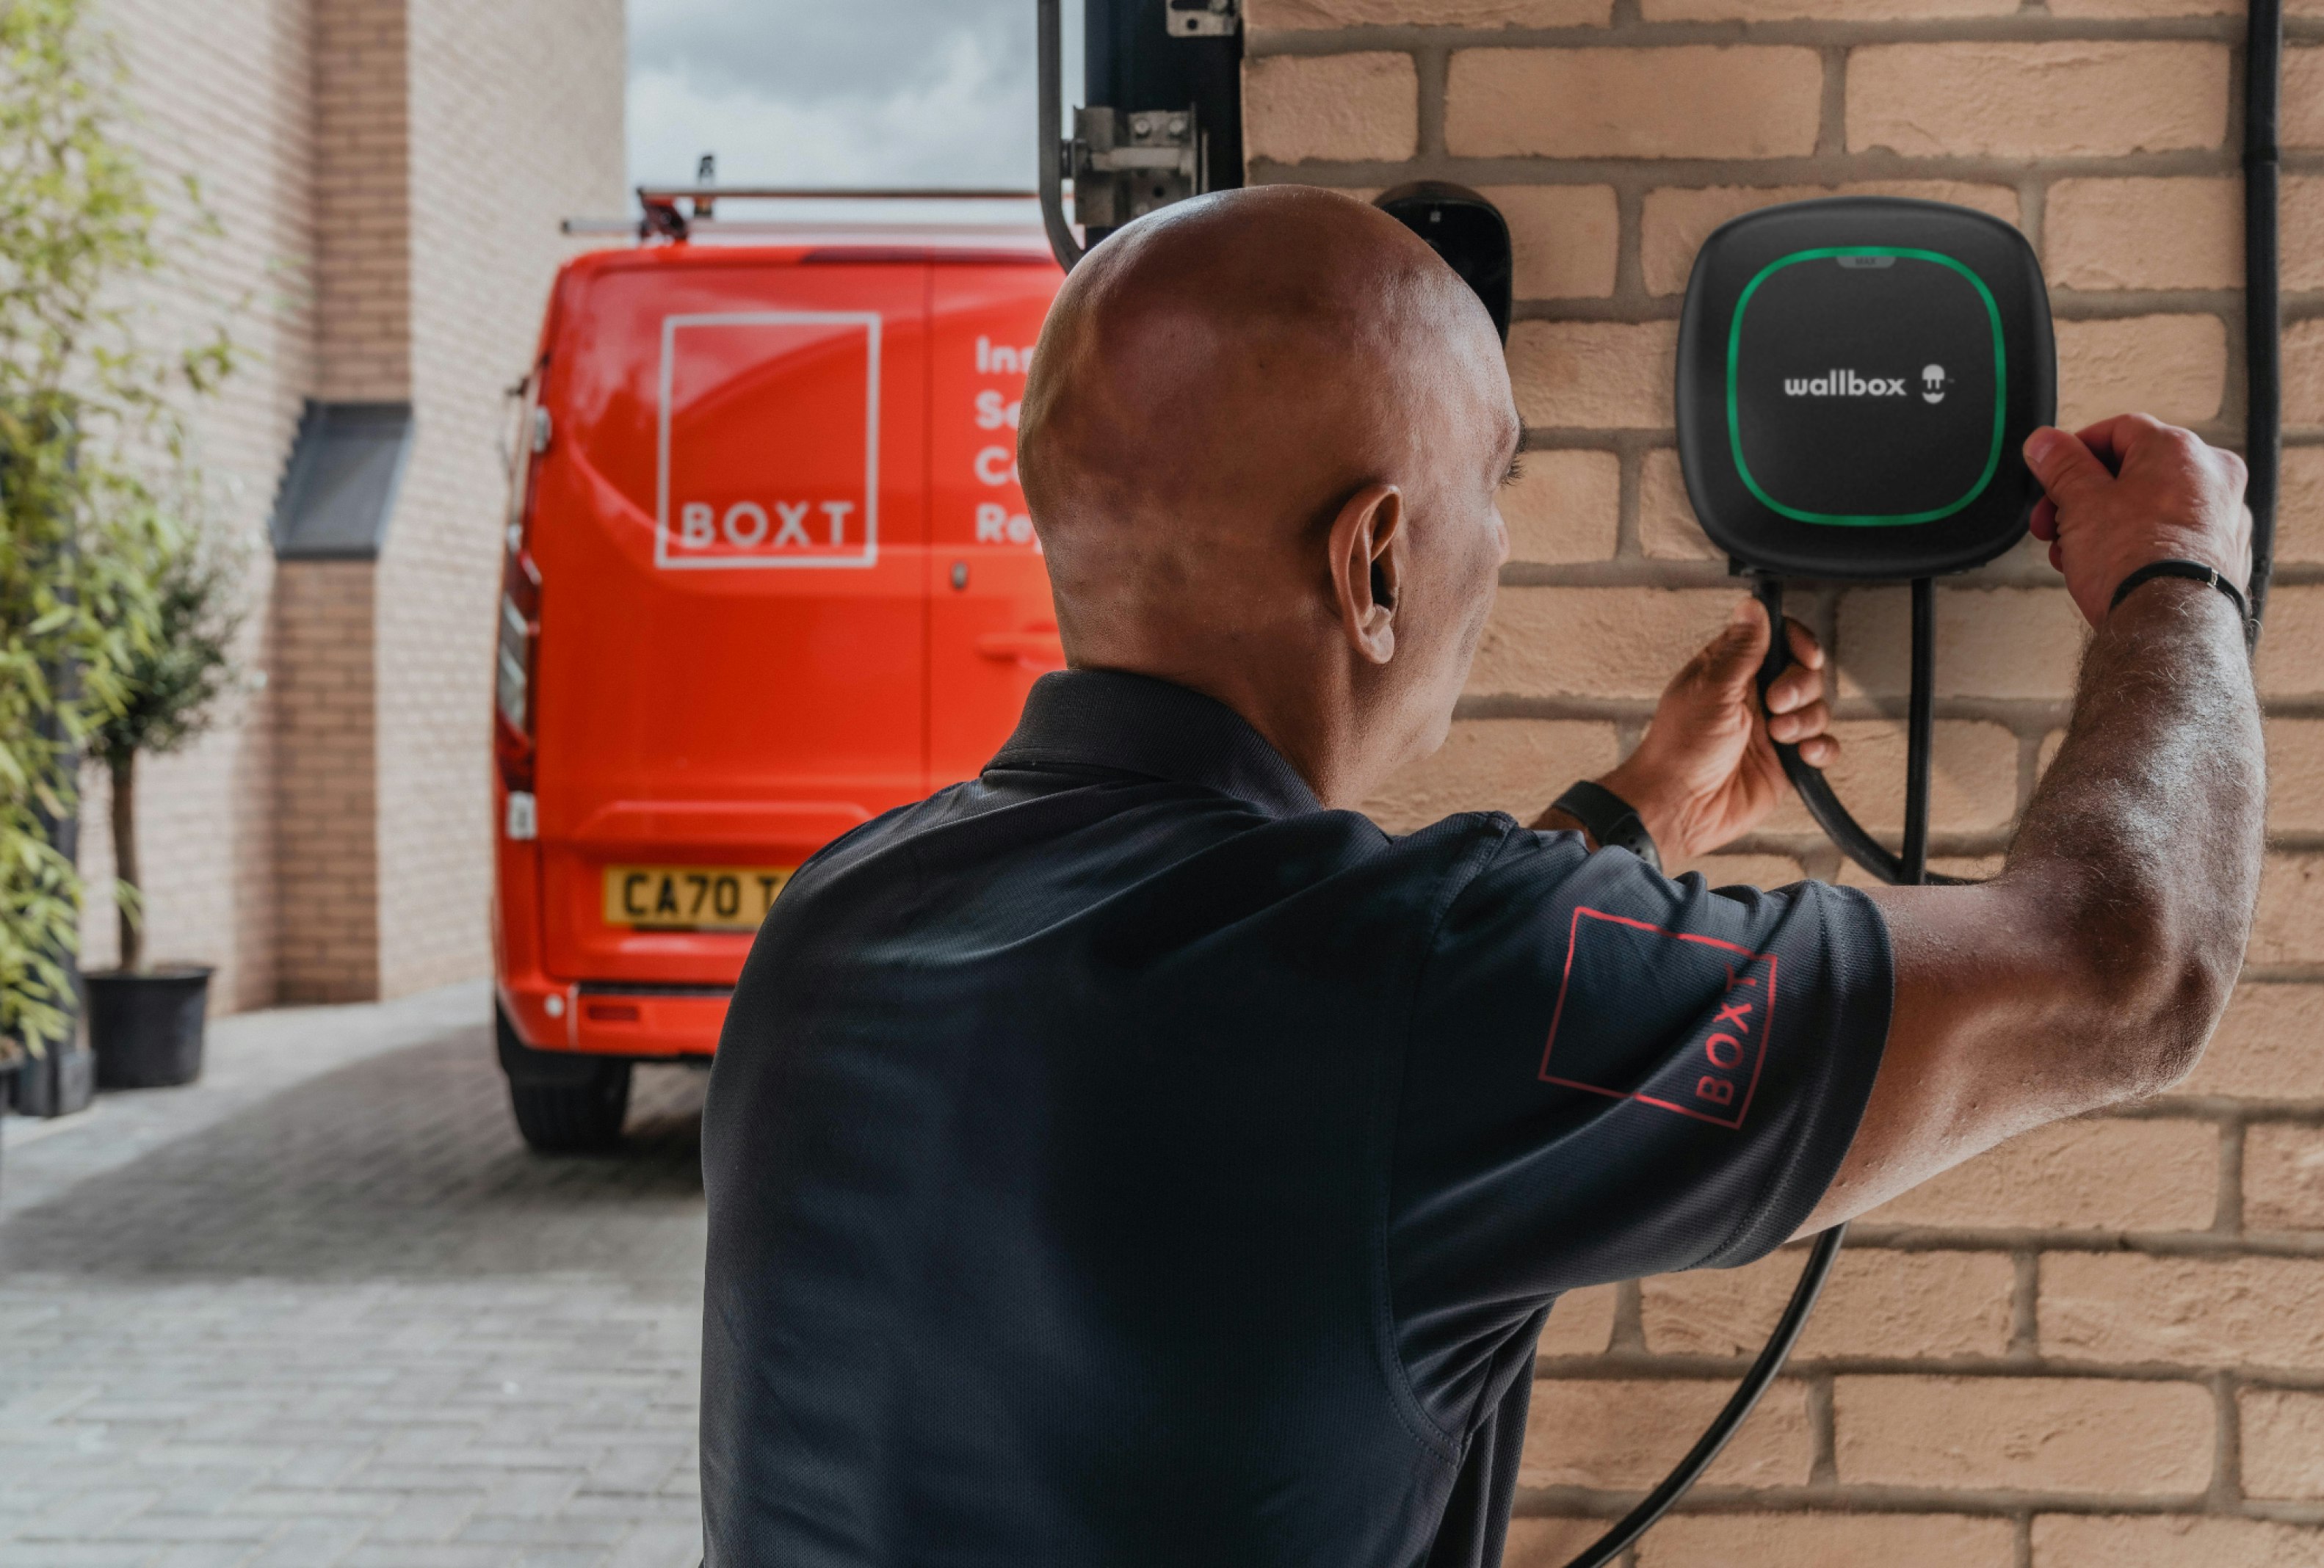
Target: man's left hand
pixel 1706 771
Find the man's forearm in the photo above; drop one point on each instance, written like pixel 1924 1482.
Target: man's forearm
pixel 2144 837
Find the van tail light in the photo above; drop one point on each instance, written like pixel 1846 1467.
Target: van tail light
pixel 517 660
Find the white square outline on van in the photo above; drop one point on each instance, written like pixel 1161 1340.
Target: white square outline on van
pixel 869 554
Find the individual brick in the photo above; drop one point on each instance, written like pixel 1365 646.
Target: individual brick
pixel 1548 1542
pixel 2126 1308
pixel 1741 870
pixel 1992 642
pixel 2282 1445
pixel 2265 1047
pixel 1819 10
pixel 1675 221
pixel 1594 375
pixel 1564 238
pixel 1972 777
pixel 2283 1177
pixel 1352 107
pixel 1581 1324
pixel 1284 15
pixel 2304 373
pixel 1877 1303
pixel 2290 925
pixel 2300 508
pixel 2095 9
pixel 2300 232
pixel 2171 1541
pixel 2182 233
pixel 2086 98
pixel 2087 1175
pixel 2291 653
pixel 2296 775
pixel 1820 1540
pixel 1617 642
pixel 1564 506
pixel 2303 124
pixel 1692 101
pixel 2174 367
pixel 1622 1433
pixel 1514 765
pixel 2036 1434
pixel 1667 528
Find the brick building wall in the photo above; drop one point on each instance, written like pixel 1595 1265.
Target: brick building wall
pixel 493 171
pixel 221 92
pixel 389 175
pixel 2103 1342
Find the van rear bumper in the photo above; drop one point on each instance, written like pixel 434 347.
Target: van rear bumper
pixel 630 1018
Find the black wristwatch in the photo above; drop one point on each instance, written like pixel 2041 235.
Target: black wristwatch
pixel 1611 820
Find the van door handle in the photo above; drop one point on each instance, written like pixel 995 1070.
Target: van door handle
pixel 1033 649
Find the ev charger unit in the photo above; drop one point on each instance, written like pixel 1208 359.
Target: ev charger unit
pixel 1855 378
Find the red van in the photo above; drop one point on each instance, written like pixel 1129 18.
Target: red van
pixel 769 573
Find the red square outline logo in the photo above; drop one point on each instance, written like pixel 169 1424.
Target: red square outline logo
pixel 1766 1022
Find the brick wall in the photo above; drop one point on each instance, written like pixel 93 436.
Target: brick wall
pixel 362 201
pixel 390 174
pixel 493 171
pixel 2102 1343
pixel 220 91
pixel 325 787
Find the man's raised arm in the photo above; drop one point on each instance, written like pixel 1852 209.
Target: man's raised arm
pixel 2093 969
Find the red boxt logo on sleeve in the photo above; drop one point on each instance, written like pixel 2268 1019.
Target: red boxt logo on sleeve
pixel 1665 1018
pixel 768 440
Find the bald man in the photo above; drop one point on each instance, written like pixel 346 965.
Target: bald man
pixel 1134 1156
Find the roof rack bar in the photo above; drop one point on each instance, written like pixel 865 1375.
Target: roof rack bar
pixel 661 193
pixel 661 217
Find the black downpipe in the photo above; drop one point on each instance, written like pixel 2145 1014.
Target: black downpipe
pixel 2263 340
pixel 1049 115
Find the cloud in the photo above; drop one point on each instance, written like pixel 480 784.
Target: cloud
pixel 877 92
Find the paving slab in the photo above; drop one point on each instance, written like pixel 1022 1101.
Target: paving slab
pixel 325 1309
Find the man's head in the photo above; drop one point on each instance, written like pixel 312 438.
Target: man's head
pixel 1262 440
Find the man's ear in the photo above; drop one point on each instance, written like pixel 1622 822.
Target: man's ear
pixel 1367 562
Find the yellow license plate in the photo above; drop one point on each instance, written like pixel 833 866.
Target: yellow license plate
pixel 692 898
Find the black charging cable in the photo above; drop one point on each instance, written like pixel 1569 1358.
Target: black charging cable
pixel 1909 866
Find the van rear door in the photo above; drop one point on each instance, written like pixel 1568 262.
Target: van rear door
pixel 732 540
pixel 992 627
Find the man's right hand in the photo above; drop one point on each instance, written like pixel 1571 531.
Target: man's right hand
pixel 2130 491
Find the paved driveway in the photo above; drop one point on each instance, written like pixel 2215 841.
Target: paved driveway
pixel 326 1309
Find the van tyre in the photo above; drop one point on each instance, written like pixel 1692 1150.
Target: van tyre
pixel 563 1103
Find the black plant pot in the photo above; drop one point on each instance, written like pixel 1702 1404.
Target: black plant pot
pixel 59 1081
pixel 146 1028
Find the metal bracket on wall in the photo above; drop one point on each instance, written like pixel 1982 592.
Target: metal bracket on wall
pixel 1126 165
pixel 1205 18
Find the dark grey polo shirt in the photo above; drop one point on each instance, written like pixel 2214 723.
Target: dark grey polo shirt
pixel 1121 1159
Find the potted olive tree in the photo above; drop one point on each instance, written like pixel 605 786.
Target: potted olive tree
pixel 145 1020
pixel 92 402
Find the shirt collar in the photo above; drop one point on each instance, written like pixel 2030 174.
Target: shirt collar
pixel 1135 723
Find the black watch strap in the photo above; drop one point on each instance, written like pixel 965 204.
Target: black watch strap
pixel 1611 820
pixel 2194 571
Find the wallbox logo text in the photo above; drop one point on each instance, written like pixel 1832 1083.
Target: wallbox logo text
pixel 1844 383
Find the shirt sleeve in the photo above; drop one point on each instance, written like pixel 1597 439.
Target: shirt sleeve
pixel 1611 1075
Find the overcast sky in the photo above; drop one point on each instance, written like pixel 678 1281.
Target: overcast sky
pixel 813 92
